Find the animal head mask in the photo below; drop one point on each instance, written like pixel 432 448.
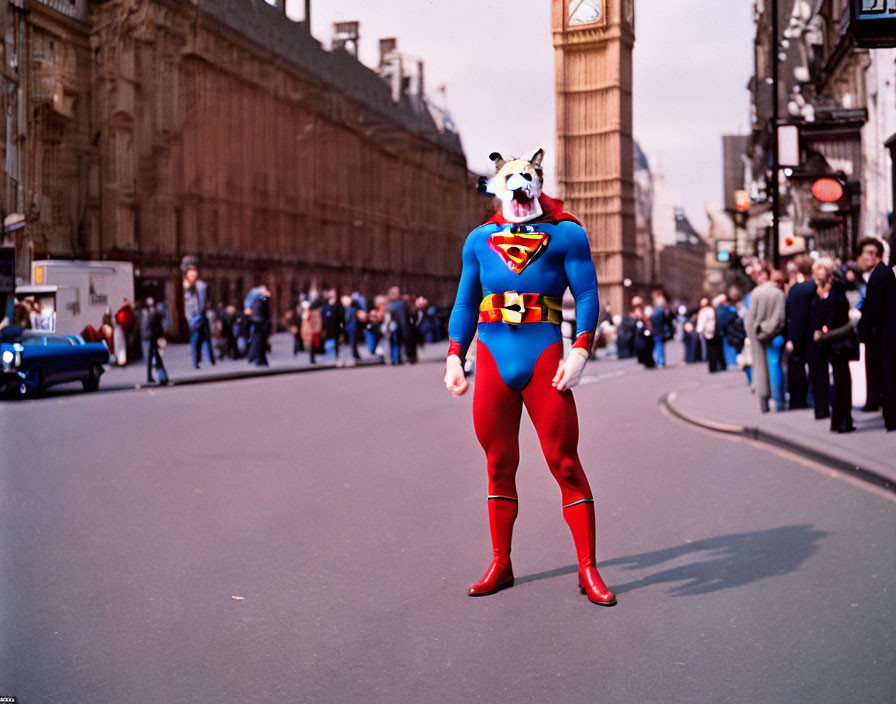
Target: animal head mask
pixel 517 184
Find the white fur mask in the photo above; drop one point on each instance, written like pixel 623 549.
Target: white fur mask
pixel 518 184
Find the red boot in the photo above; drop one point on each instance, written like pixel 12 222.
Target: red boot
pixel 499 575
pixel 580 518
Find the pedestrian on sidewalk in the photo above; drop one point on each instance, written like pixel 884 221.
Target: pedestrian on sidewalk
pixel 397 324
pixel 229 331
pixel 411 340
pixel 260 331
pixel 707 329
pixel 690 339
pixel 152 337
pixel 373 326
pixel 764 321
pixel 643 338
pixel 662 327
pixel 352 325
pixel 725 316
pixel 829 324
pixel 332 318
pixel 291 323
pixel 625 335
pixel 877 329
pixel 124 324
pixel 796 308
pixel 311 327
pixel 195 298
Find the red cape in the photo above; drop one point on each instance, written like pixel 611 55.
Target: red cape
pixel 552 209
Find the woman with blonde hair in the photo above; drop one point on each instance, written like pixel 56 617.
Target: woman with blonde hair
pixel 829 347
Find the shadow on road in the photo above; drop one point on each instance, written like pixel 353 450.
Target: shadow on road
pixel 547 574
pixel 732 560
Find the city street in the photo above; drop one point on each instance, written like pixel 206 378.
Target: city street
pixel 311 537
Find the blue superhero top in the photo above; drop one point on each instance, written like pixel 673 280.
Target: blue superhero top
pixel 542 258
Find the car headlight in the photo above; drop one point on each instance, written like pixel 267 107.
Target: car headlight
pixel 8 356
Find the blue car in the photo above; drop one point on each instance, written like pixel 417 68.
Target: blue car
pixel 30 361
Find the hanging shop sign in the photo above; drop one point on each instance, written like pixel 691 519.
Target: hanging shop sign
pixel 873 23
pixel 827 190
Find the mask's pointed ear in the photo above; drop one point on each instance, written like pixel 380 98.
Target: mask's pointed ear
pixel 536 158
pixel 498 159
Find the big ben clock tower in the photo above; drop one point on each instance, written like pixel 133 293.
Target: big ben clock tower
pixel 593 42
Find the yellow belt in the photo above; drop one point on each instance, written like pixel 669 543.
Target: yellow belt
pixel 518 308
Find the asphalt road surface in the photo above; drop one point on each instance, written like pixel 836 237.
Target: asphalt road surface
pixel 311 538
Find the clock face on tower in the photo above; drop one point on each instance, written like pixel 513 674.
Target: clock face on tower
pixel 581 13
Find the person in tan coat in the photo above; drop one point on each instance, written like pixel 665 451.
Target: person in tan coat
pixel 764 321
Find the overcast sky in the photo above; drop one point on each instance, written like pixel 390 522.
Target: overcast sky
pixel 692 62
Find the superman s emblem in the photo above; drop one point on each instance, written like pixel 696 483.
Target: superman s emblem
pixel 519 246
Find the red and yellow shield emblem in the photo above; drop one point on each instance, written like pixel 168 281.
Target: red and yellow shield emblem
pixel 518 249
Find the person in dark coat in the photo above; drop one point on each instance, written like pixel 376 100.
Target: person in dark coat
pixel 625 338
pixel 693 351
pixel 663 329
pixel 829 311
pixel 877 329
pixel 398 324
pixel 352 325
pixel 260 327
pixel 643 339
pixel 796 331
pixel 151 332
pixel 332 317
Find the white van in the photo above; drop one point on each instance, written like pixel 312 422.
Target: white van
pixel 73 294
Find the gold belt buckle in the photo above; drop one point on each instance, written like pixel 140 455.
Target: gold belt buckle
pixel 513 309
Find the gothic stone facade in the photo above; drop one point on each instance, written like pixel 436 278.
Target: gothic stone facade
pixel 152 129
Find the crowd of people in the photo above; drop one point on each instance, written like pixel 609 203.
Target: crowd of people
pixel 321 322
pixel 794 333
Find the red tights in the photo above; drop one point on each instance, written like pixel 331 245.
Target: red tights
pixel 496 417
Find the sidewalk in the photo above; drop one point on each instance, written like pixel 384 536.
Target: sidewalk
pixel 179 365
pixel 723 402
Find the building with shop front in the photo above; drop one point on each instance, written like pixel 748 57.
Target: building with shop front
pixel 837 108
pixel 147 130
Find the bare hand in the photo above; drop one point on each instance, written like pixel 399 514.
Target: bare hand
pixel 569 371
pixel 789 346
pixel 455 381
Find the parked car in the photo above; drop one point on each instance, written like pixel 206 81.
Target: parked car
pixel 30 361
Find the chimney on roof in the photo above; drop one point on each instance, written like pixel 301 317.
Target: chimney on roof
pixel 345 36
pixel 387 47
pixel 308 16
pixel 420 78
pixel 391 67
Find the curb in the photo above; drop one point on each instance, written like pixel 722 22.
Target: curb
pixel 238 375
pixel 785 443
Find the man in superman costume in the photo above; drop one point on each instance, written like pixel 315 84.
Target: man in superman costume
pixel 516 267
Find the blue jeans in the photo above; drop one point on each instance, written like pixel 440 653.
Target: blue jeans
pixel 659 352
pixel 199 337
pixel 730 353
pixel 395 347
pixel 372 340
pixel 153 357
pixel 775 373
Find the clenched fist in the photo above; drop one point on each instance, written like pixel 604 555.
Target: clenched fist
pixel 455 381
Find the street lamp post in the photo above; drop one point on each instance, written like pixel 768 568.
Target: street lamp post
pixel 776 196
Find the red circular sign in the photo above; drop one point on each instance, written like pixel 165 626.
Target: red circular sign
pixel 827 190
